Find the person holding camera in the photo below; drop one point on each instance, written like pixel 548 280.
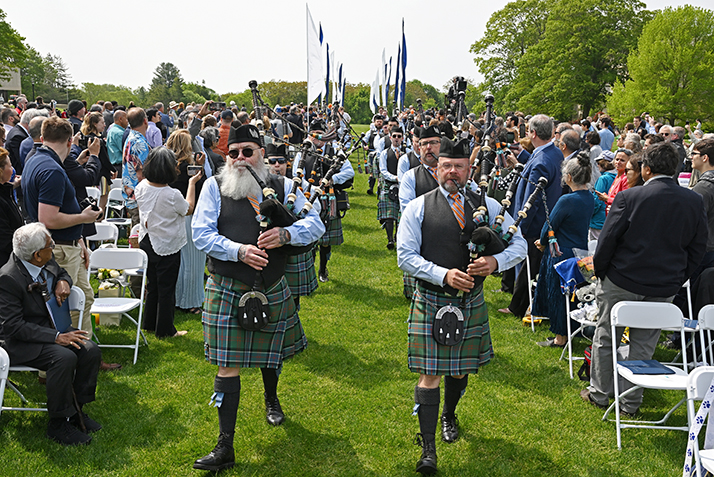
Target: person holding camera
pixel 189 287
pixel 162 235
pixel 92 129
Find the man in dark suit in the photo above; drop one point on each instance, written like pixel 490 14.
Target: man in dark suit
pixel 17 134
pixel 653 239
pixel 28 280
pixel 544 162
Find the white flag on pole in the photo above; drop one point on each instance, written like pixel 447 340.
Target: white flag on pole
pixel 315 78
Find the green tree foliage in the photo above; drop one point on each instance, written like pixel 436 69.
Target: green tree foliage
pixel 509 33
pixel 581 55
pixel 672 70
pixel 357 103
pixel 198 93
pixel 47 76
pixel 13 52
pixel 167 84
pixel 429 95
pixel 276 92
pixel 108 92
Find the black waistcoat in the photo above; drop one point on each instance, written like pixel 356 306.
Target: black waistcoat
pixel 424 181
pixel 314 163
pixel 413 160
pixel 392 161
pixel 237 222
pixel 442 241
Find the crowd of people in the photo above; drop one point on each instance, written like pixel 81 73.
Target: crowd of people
pixel 257 198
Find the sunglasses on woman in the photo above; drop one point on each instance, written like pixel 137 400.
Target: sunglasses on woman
pixel 247 152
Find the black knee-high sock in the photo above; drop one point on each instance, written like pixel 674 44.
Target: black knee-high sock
pixel 324 256
pixel 270 382
pixel 372 181
pixel 428 400
pixel 389 227
pixel 453 390
pixel 228 409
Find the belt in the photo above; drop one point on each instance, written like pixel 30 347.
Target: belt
pixel 446 289
pixel 73 243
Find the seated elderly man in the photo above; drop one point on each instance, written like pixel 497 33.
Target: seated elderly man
pixel 28 281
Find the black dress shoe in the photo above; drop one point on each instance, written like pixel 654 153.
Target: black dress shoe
pixel 60 430
pixel 390 245
pixel 449 428
pixel 221 457
pixel 273 412
pixel 427 464
pixel 370 192
pixel 89 424
pixel 323 276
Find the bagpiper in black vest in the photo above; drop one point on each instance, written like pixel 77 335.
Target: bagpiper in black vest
pixel 392 161
pixel 237 222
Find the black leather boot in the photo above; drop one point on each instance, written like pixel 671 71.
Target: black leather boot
pixel 273 412
pixel 221 457
pixel 427 464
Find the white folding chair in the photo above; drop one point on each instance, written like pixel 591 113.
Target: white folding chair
pixel 93 192
pixel 76 303
pixel 706 325
pixel 117 184
pixel 105 231
pixel 652 316
pixel 122 259
pixel 582 323
pixel 698 383
pixel 690 326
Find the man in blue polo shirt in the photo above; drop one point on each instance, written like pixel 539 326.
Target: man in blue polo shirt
pixel 49 198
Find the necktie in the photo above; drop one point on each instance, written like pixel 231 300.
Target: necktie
pixel 254 202
pixel 458 208
pixel 432 171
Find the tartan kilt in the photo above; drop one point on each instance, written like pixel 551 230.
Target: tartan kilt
pixel 300 274
pixel 374 165
pixel 386 207
pixel 333 233
pixel 409 285
pixel 227 344
pixel 426 356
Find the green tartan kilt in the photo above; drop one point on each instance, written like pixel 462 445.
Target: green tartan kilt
pixel 333 233
pixel 386 208
pixel 374 165
pixel 409 285
pixel 227 344
pixel 426 356
pixel 300 274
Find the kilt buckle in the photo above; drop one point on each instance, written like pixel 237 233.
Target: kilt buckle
pixel 448 326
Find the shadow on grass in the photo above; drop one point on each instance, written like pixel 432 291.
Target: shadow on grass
pixel 364 294
pixel 501 457
pixel 336 362
pixel 507 371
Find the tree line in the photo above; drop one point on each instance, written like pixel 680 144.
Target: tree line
pixel 571 58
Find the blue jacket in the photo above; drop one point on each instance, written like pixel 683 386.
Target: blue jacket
pixel 545 162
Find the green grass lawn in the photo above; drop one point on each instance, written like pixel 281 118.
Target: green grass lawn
pixel 348 398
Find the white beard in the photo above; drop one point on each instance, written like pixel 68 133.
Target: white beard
pixel 239 184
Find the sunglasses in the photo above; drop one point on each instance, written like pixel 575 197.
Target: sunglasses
pixel 397 136
pixel 279 160
pixel 247 152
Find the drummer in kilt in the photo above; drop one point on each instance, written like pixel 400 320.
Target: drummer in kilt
pixel 388 205
pixel 431 246
pixel 225 227
pixel 299 269
pixel 315 168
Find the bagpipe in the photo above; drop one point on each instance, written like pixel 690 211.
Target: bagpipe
pixel 273 213
pixel 490 239
pixel 326 191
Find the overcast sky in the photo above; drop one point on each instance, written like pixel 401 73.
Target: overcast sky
pixel 229 42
